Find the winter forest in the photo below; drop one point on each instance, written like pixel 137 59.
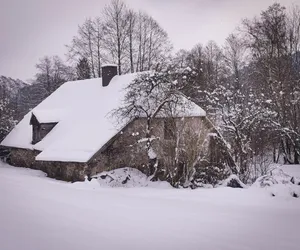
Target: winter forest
pixel 249 86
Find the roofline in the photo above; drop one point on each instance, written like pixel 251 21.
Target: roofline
pixel 14 147
pixel 51 122
pixel 112 139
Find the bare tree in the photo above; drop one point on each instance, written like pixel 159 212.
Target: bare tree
pixel 116 31
pixel 134 41
pixel 53 72
pixel 180 59
pixel 150 95
pixel 45 71
pixel 98 44
pixel 187 155
pixel 88 44
pixel 153 44
pixel 131 17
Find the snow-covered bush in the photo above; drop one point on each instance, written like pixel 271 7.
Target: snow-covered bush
pixel 127 177
pixel 276 176
pixel 233 181
pixel 279 183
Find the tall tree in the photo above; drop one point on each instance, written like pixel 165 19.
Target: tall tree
pixel 134 41
pixel 131 17
pixel 53 72
pixel 88 43
pixel 271 39
pixel 116 31
pixel 153 45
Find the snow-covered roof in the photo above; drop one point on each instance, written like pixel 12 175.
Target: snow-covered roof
pixel 83 112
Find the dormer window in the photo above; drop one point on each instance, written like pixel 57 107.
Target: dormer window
pixel 40 130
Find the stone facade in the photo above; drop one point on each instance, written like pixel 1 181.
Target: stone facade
pixel 67 171
pixel 23 157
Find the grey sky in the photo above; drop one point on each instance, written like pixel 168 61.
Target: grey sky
pixel 30 29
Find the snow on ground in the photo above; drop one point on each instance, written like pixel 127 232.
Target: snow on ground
pixel 292 170
pixel 38 213
pixel 279 181
pixel 125 177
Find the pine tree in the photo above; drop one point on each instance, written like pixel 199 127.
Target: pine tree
pixel 83 69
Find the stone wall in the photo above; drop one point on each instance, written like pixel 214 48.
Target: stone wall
pixel 124 151
pixel 22 157
pixel 67 171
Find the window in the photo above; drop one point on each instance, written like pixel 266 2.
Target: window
pixel 39 131
pixel 169 129
pixel 35 134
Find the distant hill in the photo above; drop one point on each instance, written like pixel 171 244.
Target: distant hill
pixel 9 87
pixel 22 96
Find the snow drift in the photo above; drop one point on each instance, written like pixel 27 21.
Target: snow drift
pixel 125 177
pixel 39 213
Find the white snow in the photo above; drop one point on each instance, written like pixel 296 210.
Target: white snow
pixel 293 170
pixel 278 181
pixel 83 110
pixel 39 213
pixel 151 154
pixel 109 65
pixel 48 115
pixel 188 108
pixel 232 177
pixel 124 177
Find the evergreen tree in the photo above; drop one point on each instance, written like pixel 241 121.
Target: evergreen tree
pixel 83 69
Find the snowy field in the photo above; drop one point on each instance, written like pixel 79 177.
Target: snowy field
pixel 38 213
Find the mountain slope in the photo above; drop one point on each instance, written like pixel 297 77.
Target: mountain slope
pixel 9 87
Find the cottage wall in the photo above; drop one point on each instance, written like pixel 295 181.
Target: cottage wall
pixel 128 149
pixel 22 157
pixel 66 171
pixel 123 151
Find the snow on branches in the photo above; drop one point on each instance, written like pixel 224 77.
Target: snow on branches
pixel 6 118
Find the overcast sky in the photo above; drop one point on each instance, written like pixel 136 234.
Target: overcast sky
pixel 31 29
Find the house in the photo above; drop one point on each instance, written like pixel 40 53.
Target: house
pixel 72 133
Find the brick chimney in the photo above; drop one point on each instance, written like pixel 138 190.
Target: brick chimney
pixel 108 72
